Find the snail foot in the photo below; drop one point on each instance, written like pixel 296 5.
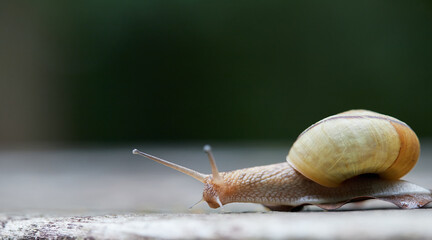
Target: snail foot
pixel 407 201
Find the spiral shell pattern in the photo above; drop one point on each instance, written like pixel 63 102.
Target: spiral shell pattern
pixel 352 143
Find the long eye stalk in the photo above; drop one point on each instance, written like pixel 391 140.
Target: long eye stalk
pixel 197 175
pixel 215 172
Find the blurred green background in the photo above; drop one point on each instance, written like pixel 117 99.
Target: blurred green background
pixel 121 71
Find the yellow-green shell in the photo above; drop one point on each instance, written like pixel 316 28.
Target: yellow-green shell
pixel 353 143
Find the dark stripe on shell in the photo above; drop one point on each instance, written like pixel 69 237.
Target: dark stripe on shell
pixel 353 117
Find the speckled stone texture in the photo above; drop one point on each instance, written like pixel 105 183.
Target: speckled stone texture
pixel 374 224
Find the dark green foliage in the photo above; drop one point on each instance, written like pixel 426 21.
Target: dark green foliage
pixel 174 70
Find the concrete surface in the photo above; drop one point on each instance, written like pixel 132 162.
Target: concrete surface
pixel 375 224
pixel 108 193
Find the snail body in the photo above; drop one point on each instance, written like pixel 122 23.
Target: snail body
pixel 352 156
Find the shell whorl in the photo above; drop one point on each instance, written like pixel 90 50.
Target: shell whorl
pixel 352 143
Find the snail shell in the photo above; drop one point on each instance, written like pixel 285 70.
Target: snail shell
pixel 333 150
pixel 352 143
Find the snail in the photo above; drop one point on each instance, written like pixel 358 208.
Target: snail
pixel 348 157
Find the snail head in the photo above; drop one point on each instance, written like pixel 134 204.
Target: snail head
pixel 213 184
